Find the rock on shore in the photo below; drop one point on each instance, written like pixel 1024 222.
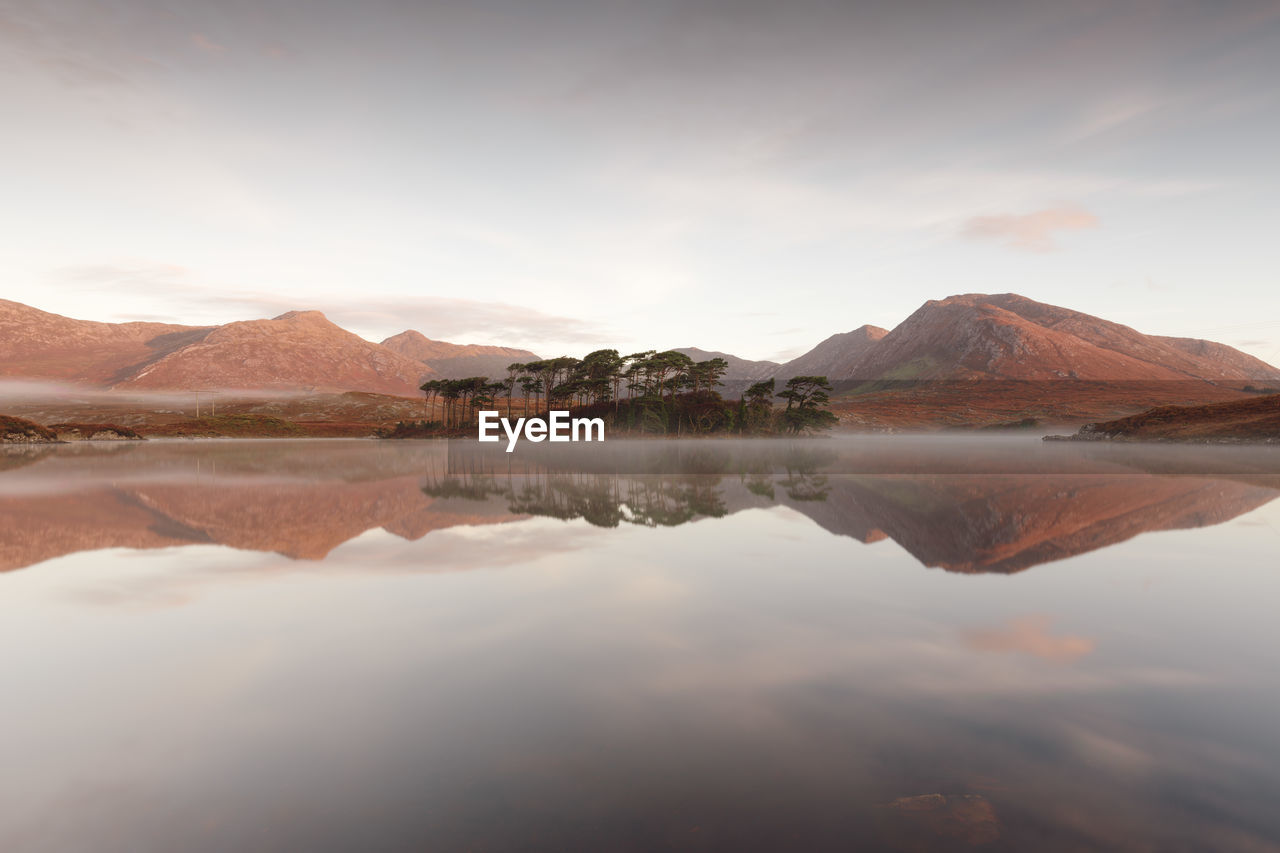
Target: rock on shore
pixel 21 431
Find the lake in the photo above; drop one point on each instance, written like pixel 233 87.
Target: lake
pixel 899 643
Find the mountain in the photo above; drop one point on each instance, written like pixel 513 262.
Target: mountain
pixel 300 350
pixel 1006 336
pixel 35 344
pixel 835 357
pixel 740 369
pixel 457 361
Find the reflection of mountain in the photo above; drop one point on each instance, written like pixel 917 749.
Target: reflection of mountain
pixel 993 524
pixel 247 508
pixel 304 499
pixel 961 524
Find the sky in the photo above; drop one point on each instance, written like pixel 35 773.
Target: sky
pixel 750 177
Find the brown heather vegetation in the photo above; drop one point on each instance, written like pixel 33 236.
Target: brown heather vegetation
pixel 258 426
pixel 1253 420
pixel 21 431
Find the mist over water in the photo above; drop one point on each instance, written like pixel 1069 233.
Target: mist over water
pixel 881 642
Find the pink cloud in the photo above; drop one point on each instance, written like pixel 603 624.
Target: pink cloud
pixel 1032 232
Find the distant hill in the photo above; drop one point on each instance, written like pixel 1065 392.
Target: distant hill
pixel 457 361
pixel 740 369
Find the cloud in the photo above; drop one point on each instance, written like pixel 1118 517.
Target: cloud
pixel 1032 232
pixel 1030 635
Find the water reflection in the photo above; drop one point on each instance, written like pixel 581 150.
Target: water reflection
pixel 687 647
pixel 971 507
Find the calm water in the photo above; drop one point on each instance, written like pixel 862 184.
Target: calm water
pixel 894 643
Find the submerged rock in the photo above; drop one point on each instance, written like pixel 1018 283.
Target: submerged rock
pixel 963 820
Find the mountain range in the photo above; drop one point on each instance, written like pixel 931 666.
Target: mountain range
pixel 296 351
pixel 968 337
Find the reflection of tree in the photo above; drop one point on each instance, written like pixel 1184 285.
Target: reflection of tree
pixel 760 485
pixel 803 486
pixel 468 487
pixel 803 482
pixel 672 485
pixel 608 500
pixel 568 496
pixel 666 503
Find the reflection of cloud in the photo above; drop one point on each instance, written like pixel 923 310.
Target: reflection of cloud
pixel 1030 635
pixel 207 45
pixel 1117 753
pixel 1030 231
pixel 464 548
pixel 434 316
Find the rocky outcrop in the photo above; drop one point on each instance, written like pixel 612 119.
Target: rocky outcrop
pixel 22 431
pixel 937 821
pixel 94 432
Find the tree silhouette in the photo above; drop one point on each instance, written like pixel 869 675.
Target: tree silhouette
pixel 805 396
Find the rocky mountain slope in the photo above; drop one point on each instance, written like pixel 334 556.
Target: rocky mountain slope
pixel 300 350
pixel 1006 336
pixel 457 361
pixel 835 357
pixel 297 351
pixel 35 344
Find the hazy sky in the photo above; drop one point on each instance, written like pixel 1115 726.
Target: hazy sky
pixel 744 176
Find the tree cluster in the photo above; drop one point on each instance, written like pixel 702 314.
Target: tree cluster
pixel 650 391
